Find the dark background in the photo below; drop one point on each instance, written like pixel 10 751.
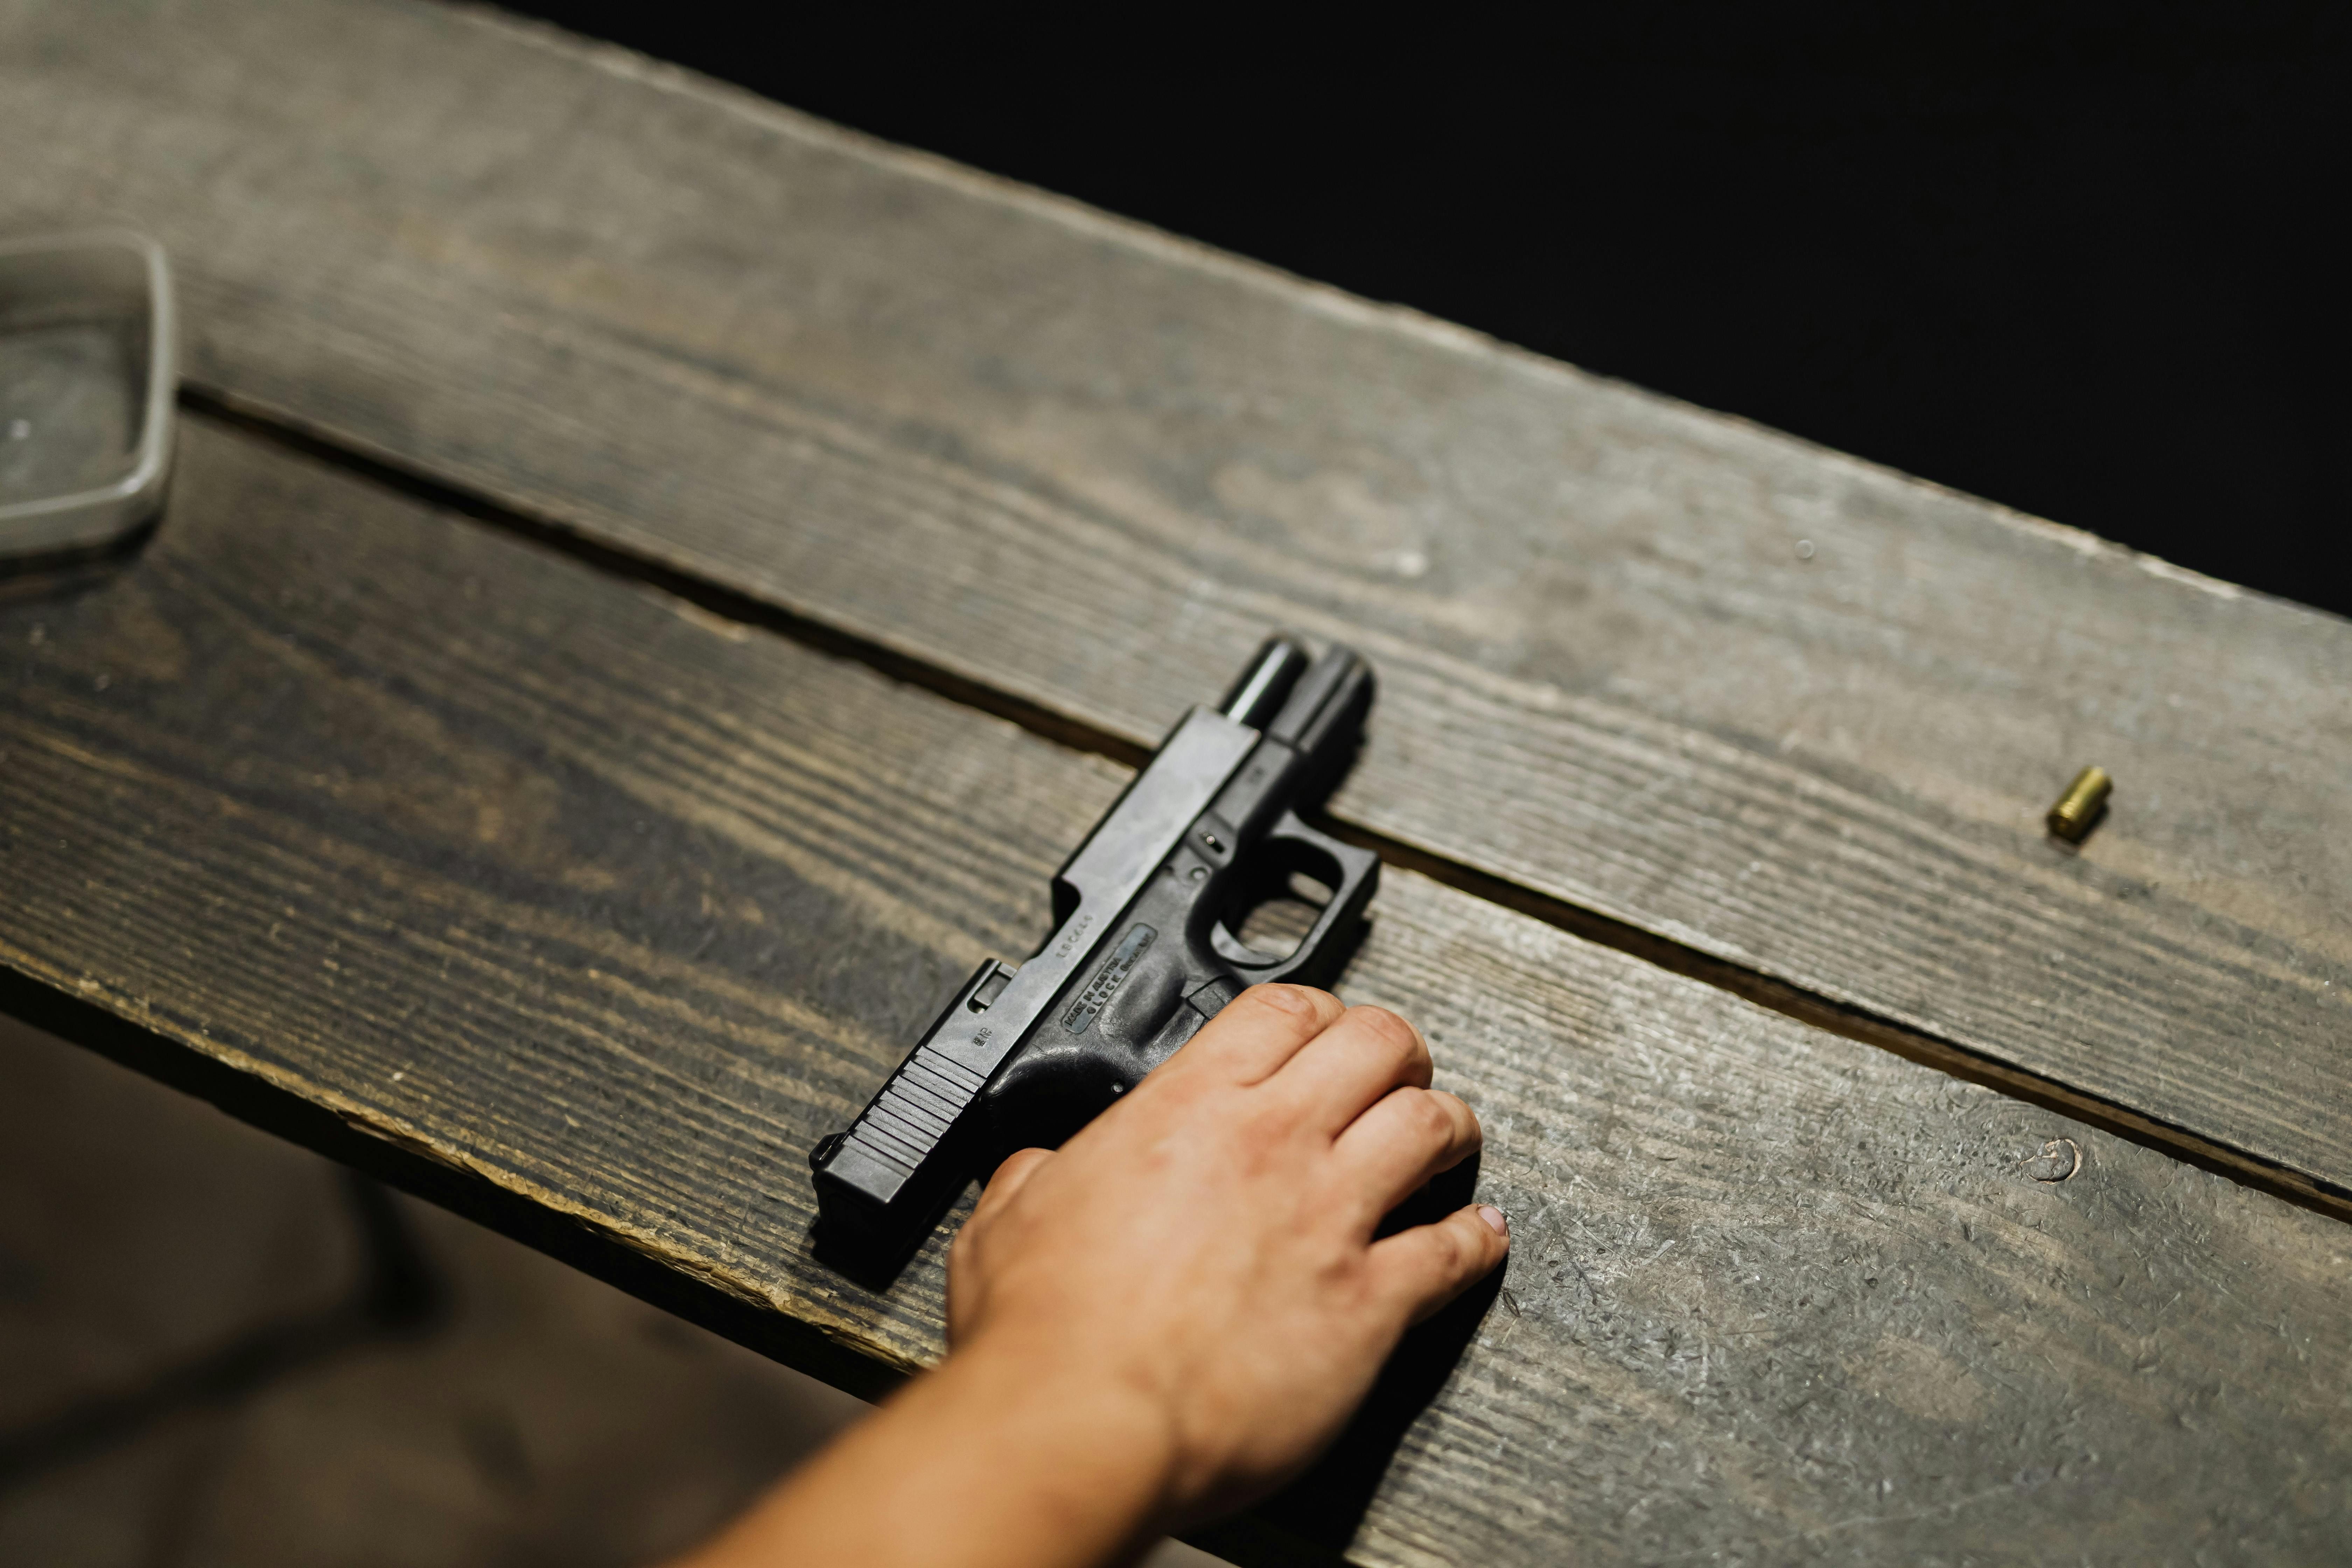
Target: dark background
pixel 2079 259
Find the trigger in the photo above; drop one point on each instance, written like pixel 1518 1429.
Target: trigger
pixel 1210 999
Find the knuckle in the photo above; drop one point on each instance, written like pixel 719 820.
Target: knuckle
pixel 1462 1121
pixel 1269 1124
pixel 1428 1118
pixel 1391 1030
pixel 1449 1251
pixel 1301 1000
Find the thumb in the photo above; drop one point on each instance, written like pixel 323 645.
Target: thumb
pixel 1009 1178
pixel 965 1285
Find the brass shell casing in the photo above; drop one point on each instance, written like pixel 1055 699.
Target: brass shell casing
pixel 2080 807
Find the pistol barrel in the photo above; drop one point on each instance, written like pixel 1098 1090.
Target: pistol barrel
pixel 1265 682
pixel 1323 718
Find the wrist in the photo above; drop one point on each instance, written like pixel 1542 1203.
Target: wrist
pixel 1010 1455
pixel 1088 1428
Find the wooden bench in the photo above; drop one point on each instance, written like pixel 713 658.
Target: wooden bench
pixel 656 583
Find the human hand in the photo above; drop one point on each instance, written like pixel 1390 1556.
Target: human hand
pixel 1199 1264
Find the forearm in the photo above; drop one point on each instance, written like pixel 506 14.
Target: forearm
pixel 1168 1315
pixel 993 1458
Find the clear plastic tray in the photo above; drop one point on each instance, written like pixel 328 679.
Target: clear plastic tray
pixel 88 372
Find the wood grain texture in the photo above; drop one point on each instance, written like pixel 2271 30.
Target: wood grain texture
pixel 604 909
pixel 1086 465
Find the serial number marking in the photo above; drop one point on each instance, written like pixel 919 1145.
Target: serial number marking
pixel 1068 945
pixel 1107 980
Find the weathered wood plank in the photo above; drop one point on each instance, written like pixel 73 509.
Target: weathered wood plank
pixel 580 905
pixel 1084 465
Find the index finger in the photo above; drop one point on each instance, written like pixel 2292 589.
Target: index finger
pixel 1257 1031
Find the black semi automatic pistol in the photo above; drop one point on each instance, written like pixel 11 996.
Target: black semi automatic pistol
pixel 1144 950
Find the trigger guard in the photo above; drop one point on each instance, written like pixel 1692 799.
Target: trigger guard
pixel 1358 875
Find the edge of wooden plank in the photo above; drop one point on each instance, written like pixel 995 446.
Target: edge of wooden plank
pixel 1249 281
pixel 1149 239
pixel 539 1221
pixel 1755 985
pixel 1864 1027
pixel 1612 1155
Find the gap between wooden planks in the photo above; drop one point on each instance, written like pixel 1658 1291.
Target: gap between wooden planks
pixel 912 403
pixel 586 912
pixel 1765 990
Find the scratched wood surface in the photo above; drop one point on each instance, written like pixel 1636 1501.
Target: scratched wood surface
pixel 1793 711
pixel 570 901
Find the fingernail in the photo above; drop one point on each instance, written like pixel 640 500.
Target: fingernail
pixel 1494 1219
